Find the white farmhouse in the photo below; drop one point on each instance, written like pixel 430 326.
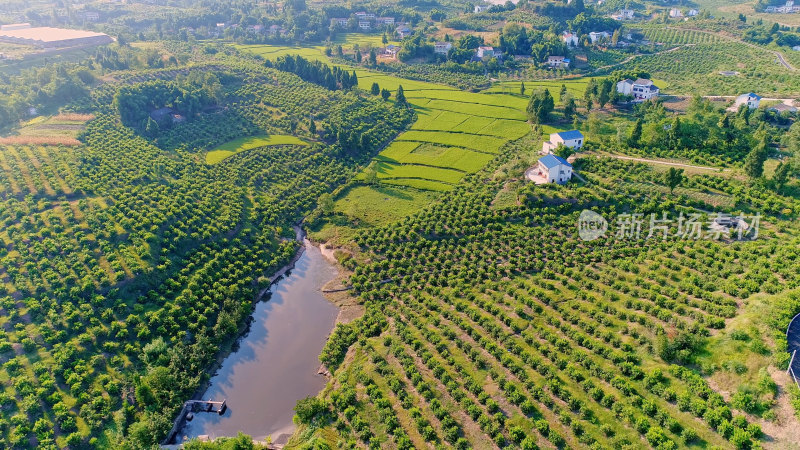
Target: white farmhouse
pixel 571 39
pixel 641 89
pixel 623 14
pixel 558 62
pixel 693 12
pixel 796 48
pixel 442 48
pixel 750 99
pixel 485 52
pixel 572 139
pixel 482 8
pixel 598 35
pixel 675 13
pixel 554 169
pixel 788 8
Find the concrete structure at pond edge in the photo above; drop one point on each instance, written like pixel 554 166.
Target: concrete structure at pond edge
pixel 550 169
pixel 47 37
pixel 750 99
pixel 572 139
pixel 641 89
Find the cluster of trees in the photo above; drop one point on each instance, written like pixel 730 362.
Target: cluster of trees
pixel 600 92
pixel 186 95
pixel 416 47
pixel 540 106
pixel 43 88
pixel 518 40
pixel 316 72
pixel 706 133
pixel 781 35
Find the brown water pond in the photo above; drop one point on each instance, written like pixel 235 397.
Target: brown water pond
pixel 277 360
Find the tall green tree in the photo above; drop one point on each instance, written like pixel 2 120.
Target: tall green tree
pixel 783 173
pixel 540 106
pixel 326 203
pixel 375 90
pixel 636 134
pixel 400 95
pixel 673 178
pixel 754 162
pixel 570 109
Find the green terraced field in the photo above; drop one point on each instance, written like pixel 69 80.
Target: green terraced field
pixel 456 132
pixel 413 171
pixel 247 143
pixel 433 155
pixel 485 144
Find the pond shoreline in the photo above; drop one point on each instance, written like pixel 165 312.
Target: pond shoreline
pixel 232 345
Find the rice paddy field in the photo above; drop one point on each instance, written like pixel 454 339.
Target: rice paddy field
pixel 235 146
pixel 456 132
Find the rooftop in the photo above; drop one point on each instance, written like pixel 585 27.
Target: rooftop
pixel 48 34
pixel 571 134
pixel 750 95
pixel 551 161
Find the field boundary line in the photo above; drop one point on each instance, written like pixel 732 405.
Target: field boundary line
pixel 399 163
pixel 400 139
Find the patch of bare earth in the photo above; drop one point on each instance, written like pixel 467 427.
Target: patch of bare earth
pixel 784 432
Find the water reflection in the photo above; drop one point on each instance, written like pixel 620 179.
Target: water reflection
pixel 277 361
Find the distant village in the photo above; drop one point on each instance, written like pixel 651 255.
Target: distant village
pixel 788 8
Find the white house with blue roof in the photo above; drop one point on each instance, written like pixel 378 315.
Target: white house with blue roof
pixel 750 99
pixel 554 169
pixel 572 138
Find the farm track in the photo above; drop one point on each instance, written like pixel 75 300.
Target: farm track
pixel 664 163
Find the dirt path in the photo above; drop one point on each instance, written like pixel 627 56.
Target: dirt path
pixel 655 161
